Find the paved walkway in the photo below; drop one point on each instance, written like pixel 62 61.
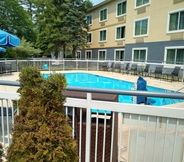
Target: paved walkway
pixel 150 81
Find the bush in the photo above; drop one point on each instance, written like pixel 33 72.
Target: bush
pixel 69 55
pixel 1 152
pixel 41 132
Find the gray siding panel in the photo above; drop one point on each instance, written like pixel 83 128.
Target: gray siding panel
pixel 155 49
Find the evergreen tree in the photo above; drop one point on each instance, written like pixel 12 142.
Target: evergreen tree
pixel 40 132
pixel 61 24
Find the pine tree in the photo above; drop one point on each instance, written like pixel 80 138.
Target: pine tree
pixel 40 132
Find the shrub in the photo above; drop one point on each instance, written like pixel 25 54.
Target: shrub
pixel 69 55
pixel 41 133
pixel 1 152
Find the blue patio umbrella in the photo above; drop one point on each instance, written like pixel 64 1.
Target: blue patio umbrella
pixel 2 49
pixel 8 40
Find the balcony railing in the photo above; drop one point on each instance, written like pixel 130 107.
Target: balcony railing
pixel 122 132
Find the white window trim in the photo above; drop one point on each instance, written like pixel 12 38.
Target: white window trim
pixel 91 38
pixel 91 19
pixel 105 54
pixel 168 18
pixel 121 49
pixel 116 32
pixel 76 54
pixel 86 54
pixel 99 35
pixel 117 9
pixel 171 47
pixel 147 4
pixel 144 48
pixel 135 36
pixel 107 15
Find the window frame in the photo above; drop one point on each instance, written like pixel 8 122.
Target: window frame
pixel 143 35
pixel 86 54
pixel 146 4
pixel 100 14
pixel 91 19
pixel 143 48
pixel 116 32
pixel 99 35
pixel 168 21
pixel 80 54
pixel 120 49
pixel 117 9
pixel 165 54
pixel 105 54
pixel 91 38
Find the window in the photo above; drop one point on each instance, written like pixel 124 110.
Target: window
pixel 89 19
pixel 176 21
pixel 88 55
pixel 103 35
pixel 141 27
pixel 78 55
pixel 89 38
pixel 139 55
pixel 175 55
pixel 120 32
pixel 103 14
pixel 121 8
pixel 119 54
pixel 102 55
pixel 140 3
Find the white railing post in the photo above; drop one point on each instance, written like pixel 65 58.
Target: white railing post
pixel 97 65
pixel 63 64
pixel 49 65
pixel 87 64
pixel 88 127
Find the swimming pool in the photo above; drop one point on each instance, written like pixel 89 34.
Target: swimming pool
pixel 96 81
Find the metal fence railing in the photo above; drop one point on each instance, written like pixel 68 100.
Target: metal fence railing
pixel 118 132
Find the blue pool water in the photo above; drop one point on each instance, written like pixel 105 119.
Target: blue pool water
pixel 96 81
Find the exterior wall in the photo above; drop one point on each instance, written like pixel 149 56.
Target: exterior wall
pixel 109 52
pixel 156 50
pixel 157 12
pixel 110 24
pixel 157 39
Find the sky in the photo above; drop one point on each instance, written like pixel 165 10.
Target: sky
pixel 95 2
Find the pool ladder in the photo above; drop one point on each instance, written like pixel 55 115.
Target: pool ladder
pixel 174 92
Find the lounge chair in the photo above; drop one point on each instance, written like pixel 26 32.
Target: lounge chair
pixel 157 71
pixel 146 70
pixel 133 69
pixel 174 73
pixel 125 68
pixel 117 67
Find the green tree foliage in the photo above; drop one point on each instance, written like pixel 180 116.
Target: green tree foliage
pixel 15 20
pixel 1 152
pixel 40 132
pixel 26 49
pixel 61 24
pixel 10 53
pixel 29 6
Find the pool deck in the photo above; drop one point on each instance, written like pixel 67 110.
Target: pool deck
pixel 131 78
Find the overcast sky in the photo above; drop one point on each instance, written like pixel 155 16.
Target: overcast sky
pixel 97 1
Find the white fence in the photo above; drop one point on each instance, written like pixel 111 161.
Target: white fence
pixel 130 133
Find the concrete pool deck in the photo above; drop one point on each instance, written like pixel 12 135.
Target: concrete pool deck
pixel 131 78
